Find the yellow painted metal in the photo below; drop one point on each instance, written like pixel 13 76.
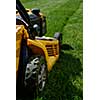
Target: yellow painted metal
pixel 42 45
pixel 30 12
pixel 20 33
pixel 48 48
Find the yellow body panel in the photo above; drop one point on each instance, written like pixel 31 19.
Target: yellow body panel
pixel 20 33
pixel 42 45
pixel 48 48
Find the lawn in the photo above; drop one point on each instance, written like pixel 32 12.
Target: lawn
pixel 65 81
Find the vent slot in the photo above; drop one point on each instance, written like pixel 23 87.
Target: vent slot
pixel 55 49
pixel 52 50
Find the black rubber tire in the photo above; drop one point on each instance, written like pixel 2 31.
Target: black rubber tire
pixel 38 69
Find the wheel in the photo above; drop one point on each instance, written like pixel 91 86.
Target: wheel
pixel 36 74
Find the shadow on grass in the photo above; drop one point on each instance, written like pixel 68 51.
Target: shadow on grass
pixel 65 80
pixel 66 47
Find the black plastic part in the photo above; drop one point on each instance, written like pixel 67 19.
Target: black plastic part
pixel 22 12
pixel 44 26
pixel 21 69
pixel 26 18
pixel 58 36
pixel 36 11
pixel 20 22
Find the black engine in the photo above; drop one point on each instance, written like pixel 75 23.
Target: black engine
pixel 37 21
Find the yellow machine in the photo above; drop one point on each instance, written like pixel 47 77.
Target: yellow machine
pixel 35 54
pixel 44 46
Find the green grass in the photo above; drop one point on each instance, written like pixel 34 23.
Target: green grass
pixel 65 81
